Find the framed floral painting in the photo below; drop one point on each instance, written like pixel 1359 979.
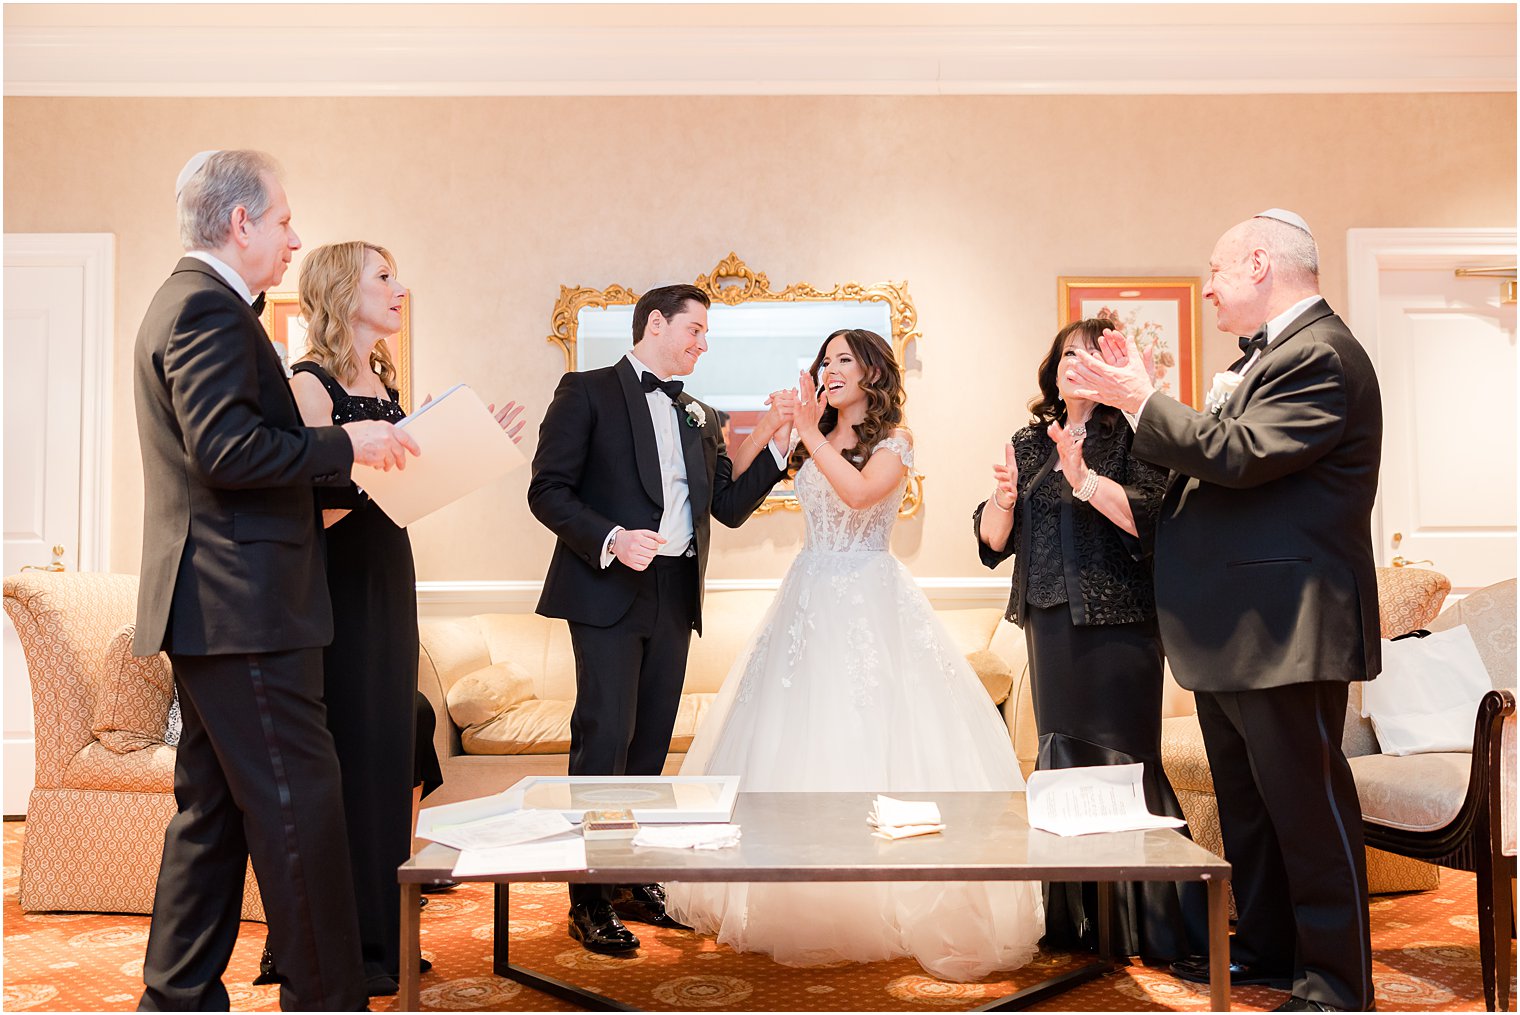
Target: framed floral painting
pixel 1162 315
pixel 287 330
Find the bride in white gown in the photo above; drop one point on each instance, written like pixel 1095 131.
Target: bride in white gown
pixel 851 684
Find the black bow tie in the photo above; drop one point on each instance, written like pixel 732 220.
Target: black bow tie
pixel 1257 342
pixel 257 306
pixel 650 382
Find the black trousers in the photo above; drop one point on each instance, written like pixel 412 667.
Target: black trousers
pixel 255 775
pixel 1292 828
pixel 628 680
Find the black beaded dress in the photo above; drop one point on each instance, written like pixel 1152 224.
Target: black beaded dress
pixel 1082 593
pixel 373 709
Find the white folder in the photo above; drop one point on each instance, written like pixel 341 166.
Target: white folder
pixel 463 448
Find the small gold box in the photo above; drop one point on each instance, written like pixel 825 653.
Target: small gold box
pixel 609 824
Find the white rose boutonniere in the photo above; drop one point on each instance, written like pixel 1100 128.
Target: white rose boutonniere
pixel 695 415
pixel 1225 383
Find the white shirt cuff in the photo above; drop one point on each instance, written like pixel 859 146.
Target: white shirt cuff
pixel 1134 417
pixel 607 557
pixel 777 453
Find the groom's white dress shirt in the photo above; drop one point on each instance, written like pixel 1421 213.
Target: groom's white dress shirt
pixel 675 522
pixel 223 269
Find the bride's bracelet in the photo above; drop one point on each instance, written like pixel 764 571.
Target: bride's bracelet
pixel 1088 488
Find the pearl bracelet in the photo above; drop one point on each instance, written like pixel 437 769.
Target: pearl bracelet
pixel 1088 488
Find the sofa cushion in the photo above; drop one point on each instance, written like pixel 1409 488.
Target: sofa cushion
pixel 1418 793
pixel 146 770
pixel 132 697
pixel 542 726
pixel 995 673
pixel 1409 598
pixel 481 696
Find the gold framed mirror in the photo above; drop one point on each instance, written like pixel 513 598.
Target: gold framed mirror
pixel 755 331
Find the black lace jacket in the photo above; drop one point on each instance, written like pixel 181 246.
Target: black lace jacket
pixel 1108 577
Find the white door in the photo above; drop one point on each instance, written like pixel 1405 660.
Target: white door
pixel 57 335
pixel 1445 353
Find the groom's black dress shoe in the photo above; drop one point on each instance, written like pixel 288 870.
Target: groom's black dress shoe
pixel 644 904
pixel 1195 969
pixel 1303 1004
pixel 598 928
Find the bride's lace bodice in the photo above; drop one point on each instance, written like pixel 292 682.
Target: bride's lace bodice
pixel 834 526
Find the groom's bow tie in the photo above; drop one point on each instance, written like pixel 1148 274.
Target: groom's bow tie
pixel 1257 342
pixel 258 305
pixel 650 382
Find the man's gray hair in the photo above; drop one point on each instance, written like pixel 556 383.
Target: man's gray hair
pixel 1291 248
pixel 227 180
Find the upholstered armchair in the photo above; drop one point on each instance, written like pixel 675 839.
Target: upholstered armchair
pixel 105 778
pixel 1458 809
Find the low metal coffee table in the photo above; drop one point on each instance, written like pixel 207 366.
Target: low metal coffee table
pixel 823 837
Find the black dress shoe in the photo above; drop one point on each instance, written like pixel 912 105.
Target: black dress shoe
pixel 1195 969
pixel 441 885
pixel 1304 1004
pixel 598 928
pixel 644 904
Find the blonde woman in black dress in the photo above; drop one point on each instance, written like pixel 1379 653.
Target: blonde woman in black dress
pixel 351 302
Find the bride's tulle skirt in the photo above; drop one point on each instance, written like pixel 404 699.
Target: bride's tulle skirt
pixel 852 684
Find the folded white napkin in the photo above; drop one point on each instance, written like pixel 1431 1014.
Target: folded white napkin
pixel 900 819
pixel 688 836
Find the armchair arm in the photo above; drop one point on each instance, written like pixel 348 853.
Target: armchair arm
pixel 449 648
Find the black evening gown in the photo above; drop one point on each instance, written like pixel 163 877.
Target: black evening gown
pixel 371 693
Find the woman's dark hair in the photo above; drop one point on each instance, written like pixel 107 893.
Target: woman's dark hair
pixel 1048 406
pixel 669 300
pixel 881 380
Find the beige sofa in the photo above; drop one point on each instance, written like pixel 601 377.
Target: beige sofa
pixel 503 685
pixel 105 778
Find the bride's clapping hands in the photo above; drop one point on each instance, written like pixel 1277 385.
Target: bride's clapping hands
pixel 810 407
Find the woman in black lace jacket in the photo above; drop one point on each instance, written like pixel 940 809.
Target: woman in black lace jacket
pixel 1070 505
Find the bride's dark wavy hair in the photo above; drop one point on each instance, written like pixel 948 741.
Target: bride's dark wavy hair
pixel 881 381
pixel 1048 406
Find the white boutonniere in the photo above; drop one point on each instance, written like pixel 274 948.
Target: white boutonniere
pixel 695 415
pixel 1225 383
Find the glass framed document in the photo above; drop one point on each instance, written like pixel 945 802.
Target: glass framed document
pixel 653 799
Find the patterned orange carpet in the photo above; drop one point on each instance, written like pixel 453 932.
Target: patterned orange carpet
pixel 1425 950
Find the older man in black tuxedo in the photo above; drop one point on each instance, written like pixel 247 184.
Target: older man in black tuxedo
pixel 233 588
pixel 629 471
pixel 1267 599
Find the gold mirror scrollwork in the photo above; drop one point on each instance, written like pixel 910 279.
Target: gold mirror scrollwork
pixel 732 282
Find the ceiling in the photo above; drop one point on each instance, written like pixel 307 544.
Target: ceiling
pixel 275 49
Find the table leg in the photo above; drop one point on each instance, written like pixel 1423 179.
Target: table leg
pixel 1106 920
pixel 1219 945
pixel 501 965
pixel 411 945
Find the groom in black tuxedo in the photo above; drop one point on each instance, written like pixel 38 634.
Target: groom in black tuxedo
pixel 1267 600
pixel 629 471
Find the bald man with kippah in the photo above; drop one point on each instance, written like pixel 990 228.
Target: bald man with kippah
pixel 1267 599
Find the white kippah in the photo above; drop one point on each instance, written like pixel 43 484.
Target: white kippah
pixel 192 167
pixel 1283 215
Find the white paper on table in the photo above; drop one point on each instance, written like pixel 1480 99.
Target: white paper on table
pixel 463 812
pixel 688 836
pixel 543 857
pixel 501 830
pixel 1100 798
pixel 463 449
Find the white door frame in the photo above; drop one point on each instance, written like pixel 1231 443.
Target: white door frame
pixel 95 253
pixel 1370 251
